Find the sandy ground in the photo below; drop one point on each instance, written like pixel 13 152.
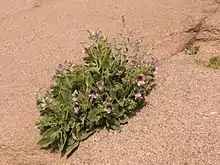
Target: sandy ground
pixel 181 124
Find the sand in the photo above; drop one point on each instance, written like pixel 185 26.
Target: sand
pixel 179 126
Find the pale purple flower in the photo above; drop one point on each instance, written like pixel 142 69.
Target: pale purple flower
pixel 108 108
pixel 140 80
pixel 92 95
pixel 137 94
pixel 45 102
pixel 75 95
pixel 76 107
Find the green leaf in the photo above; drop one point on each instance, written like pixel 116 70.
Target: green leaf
pixel 78 127
pixel 121 102
pixel 84 134
pixel 45 142
pixel 128 91
pixel 74 137
pixel 72 145
pixel 88 80
pixel 118 113
pixel 65 93
pixel 50 132
pixel 80 73
pixel 94 70
pixel 124 120
pixel 49 136
pixel 116 127
pixel 113 123
pixel 63 140
pixel 105 62
pixel 93 115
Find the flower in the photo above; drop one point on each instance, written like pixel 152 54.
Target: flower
pixel 45 102
pixel 137 94
pixel 100 85
pixel 75 95
pixel 92 95
pixel 140 80
pixel 76 107
pixel 108 108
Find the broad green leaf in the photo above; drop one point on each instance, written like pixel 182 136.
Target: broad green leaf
pixel 72 123
pixel 80 73
pixel 113 123
pixel 45 142
pixel 50 132
pixel 121 102
pixel 74 137
pixel 78 127
pixel 68 83
pixel 93 115
pixel 84 134
pixel 118 113
pixel 71 147
pixel 83 118
pixel 66 95
pixel 70 142
pixel 116 127
pixel 105 62
pixel 128 91
pixel 88 80
pixel 124 120
pixel 63 140
pixel 94 69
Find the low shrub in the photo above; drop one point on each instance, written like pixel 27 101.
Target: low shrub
pixel 214 62
pixel 102 93
pixel 192 49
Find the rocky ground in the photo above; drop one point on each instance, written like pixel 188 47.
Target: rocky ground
pixel 181 123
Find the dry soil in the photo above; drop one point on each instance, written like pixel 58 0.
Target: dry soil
pixel 181 123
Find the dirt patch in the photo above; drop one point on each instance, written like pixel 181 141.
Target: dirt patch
pixel 180 127
pixel 206 40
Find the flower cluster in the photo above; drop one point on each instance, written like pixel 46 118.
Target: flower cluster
pixel 108 106
pixel 140 83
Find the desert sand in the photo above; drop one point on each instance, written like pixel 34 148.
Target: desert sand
pixel 181 123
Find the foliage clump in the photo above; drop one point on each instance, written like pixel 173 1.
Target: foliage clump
pixel 214 62
pixel 102 93
pixel 192 48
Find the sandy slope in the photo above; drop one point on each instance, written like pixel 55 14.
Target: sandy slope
pixel 182 124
